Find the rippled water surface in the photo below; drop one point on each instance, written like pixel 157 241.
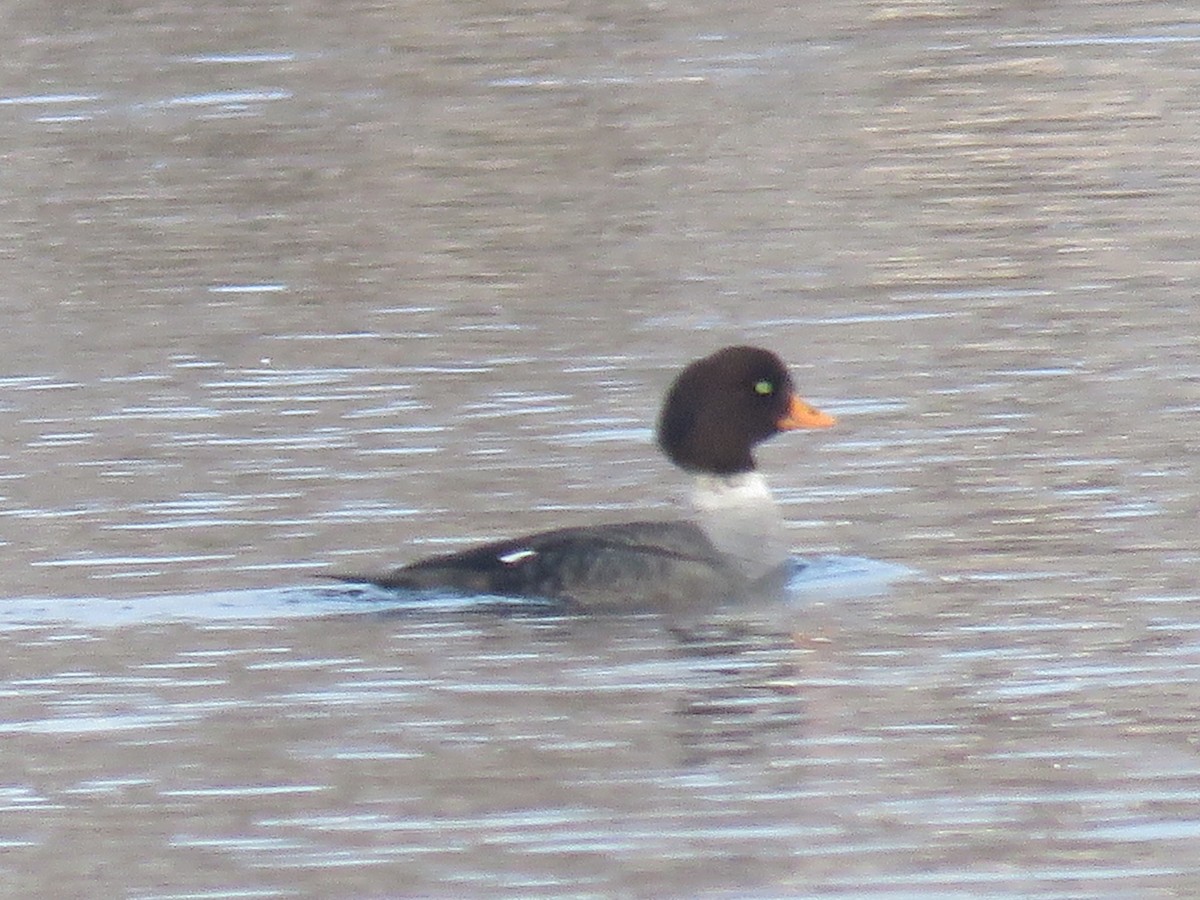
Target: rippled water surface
pixel 290 290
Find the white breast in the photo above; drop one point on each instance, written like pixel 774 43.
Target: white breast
pixel 740 517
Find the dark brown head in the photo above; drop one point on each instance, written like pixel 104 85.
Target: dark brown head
pixel 720 407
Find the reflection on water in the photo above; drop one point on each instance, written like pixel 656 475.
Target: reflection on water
pixel 288 294
pixel 491 750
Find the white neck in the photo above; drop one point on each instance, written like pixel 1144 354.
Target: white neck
pixel 740 517
pixel 742 491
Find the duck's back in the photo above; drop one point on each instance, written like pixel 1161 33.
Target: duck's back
pixel 627 566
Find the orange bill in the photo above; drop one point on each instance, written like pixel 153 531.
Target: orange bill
pixel 802 415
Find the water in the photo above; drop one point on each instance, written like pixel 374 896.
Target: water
pixel 287 293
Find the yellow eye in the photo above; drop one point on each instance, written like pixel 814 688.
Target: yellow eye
pixel 764 388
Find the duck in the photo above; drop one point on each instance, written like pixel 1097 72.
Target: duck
pixel 731 547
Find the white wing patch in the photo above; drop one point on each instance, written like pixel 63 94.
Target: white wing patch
pixel 516 557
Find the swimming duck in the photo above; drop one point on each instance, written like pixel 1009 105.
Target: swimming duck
pixel 733 545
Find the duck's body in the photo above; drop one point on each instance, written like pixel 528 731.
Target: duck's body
pixel 627 565
pixel 735 545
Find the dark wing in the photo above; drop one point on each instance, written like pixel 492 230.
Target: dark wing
pixel 633 565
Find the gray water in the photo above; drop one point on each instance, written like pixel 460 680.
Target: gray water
pixel 297 289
